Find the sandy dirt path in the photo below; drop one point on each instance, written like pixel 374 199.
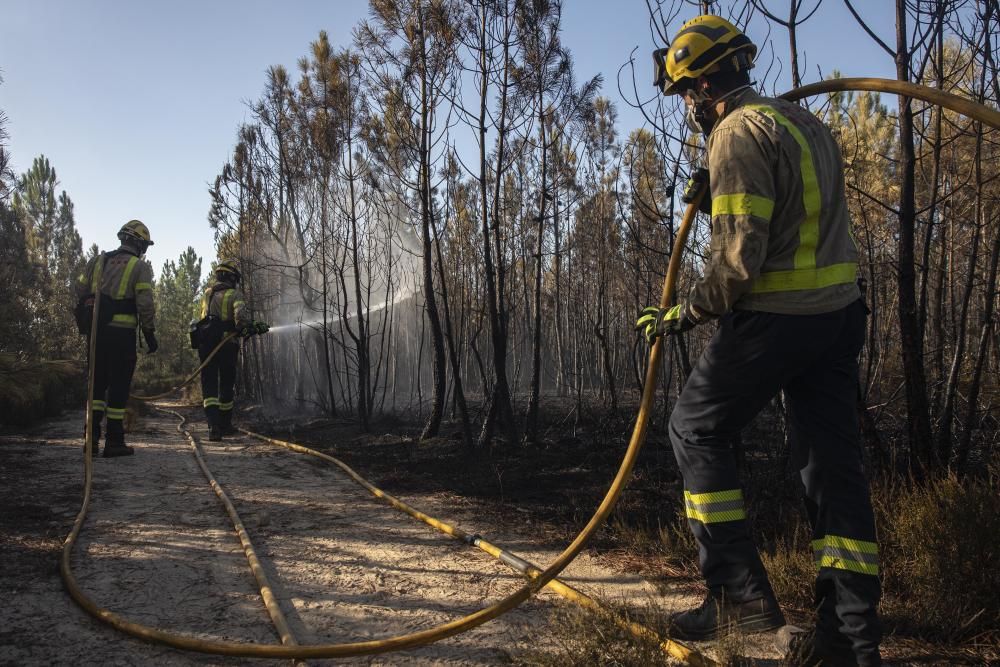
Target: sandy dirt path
pixel 158 549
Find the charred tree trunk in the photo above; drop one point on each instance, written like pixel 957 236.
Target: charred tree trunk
pixel 951 388
pixel 500 407
pixel 922 457
pixel 433 425
pixel 531 422
pixel 456 368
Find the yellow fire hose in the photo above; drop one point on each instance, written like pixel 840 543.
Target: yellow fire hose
pixel 228 337
pixel 540 579
pixel 961 105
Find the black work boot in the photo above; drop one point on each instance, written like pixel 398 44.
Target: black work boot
pixel 807 648
pixel 717 614
pixel 226 422
pixel 214 425
pixel 114 443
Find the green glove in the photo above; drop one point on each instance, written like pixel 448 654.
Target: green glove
pixel 655 321
pixel 246 331
pixel 261 327
pixel 697 182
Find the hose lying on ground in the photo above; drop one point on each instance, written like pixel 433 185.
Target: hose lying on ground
pixel 266 590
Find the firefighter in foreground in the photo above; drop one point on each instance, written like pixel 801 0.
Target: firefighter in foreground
pixel 223 311
pixel 781 279
pixel 123 281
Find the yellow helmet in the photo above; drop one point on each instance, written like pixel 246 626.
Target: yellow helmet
pixel 704 45
pixel 135 229
pixel 229 266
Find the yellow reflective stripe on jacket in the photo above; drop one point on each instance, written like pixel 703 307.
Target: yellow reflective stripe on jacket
pixel 209 402
pixel 97 406
pixel 846 553
pixel 124 320
pixel 206 299
pixel 126 275
pixel 800 279
pixel 227 305
pixel 743 204
pixel 805 275
pixel 116 413
pixel 226 406
pixel 95 276
pixel 715 507
pixel 805 254
pixel 139 287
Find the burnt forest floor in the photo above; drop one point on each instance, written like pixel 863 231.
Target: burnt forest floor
pixel 550 489
pixel 155 546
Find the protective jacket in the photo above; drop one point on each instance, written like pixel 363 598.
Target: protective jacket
pixel 224 310
pixel 127 281
pixel 781 239
pixel 227 304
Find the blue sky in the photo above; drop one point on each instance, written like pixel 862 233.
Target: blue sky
pixel 136 104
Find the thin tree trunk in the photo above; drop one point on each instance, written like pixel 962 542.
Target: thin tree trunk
pixel 433 425
pixel 951 389
pixel 456 369
pixel 531 422
pixel 918 419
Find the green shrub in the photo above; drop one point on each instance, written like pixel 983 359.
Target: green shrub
pixel 33 390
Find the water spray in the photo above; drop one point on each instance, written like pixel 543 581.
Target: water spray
pixel 314 324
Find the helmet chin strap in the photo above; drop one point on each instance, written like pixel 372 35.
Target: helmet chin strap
pixel 697 117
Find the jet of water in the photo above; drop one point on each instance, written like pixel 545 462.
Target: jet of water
pixel 402 296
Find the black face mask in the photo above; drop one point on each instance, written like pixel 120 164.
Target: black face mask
pixel 698 121
pixel 136 245
pixel 698 118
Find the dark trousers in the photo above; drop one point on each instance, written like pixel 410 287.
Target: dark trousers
pixel 814 360
pixel 218 377
pixel 114 364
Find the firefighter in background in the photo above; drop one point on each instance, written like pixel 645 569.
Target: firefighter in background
pixel 123 281
pixel 223 311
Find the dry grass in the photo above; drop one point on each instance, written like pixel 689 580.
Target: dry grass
pixel 941 558
pixel 940 555
pixel 586 638
pixel 731 649
pixel 791 570
pixel 670 542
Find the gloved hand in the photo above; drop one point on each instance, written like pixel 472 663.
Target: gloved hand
pixel 246 331
pixel 698 180
pixel 152 345
pixel 261 327
pixel 655 321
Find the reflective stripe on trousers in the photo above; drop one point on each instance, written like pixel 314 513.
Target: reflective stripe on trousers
pixel 813 359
